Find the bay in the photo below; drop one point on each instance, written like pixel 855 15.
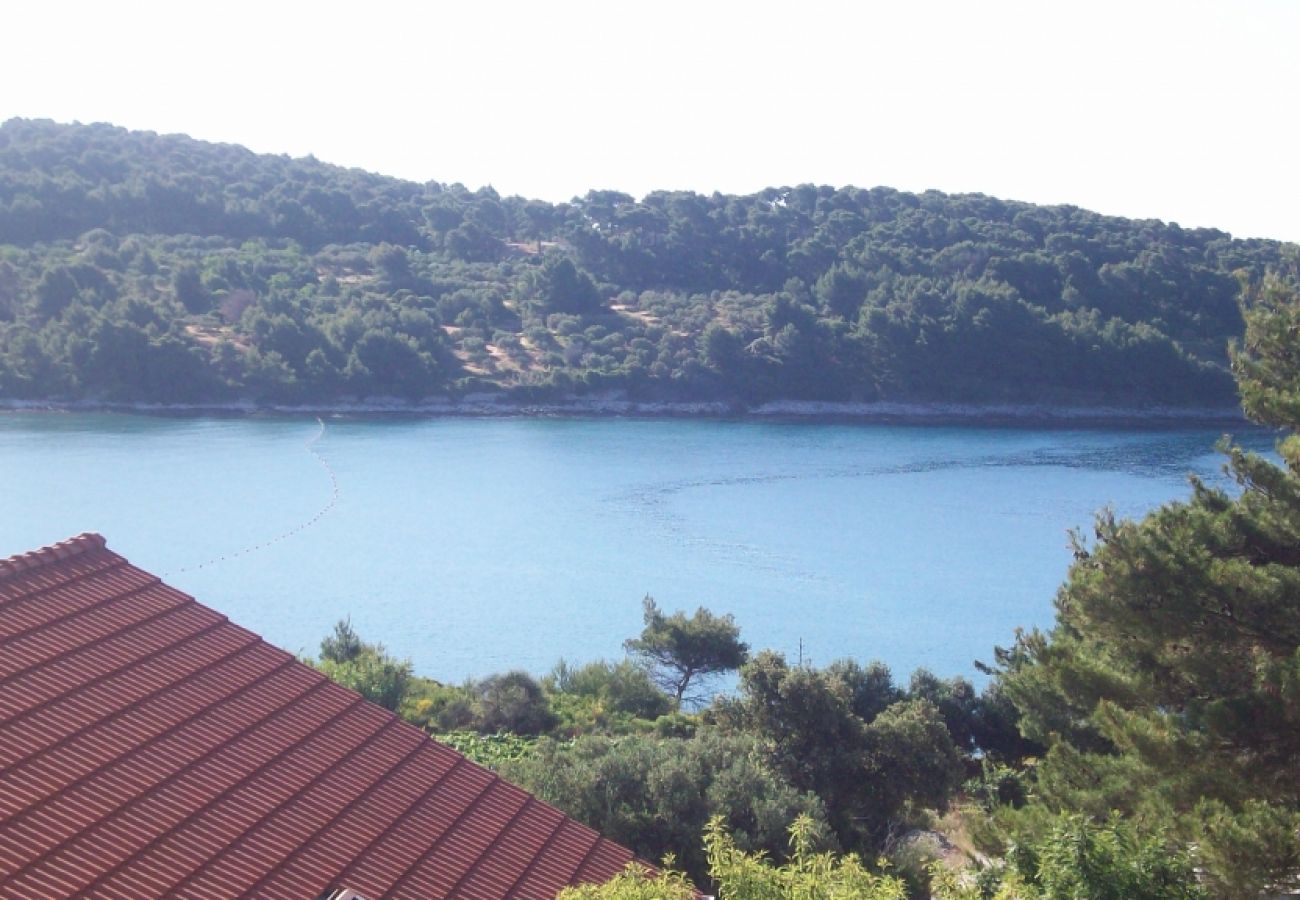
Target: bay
pixel 478 545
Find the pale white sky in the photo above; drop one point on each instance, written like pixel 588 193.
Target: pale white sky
pixel 1184 111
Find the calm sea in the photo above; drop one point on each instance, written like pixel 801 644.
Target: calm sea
pixel 477 545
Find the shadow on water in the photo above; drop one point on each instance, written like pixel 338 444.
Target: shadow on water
pixel 1167 456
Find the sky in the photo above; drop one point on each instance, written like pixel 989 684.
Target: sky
pixel 1182 111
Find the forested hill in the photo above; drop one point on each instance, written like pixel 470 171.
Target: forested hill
pixel 139 267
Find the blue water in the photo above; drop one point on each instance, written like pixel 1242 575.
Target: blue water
pixel 476 545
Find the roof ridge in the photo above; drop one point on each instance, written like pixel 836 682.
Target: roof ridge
pixel 91 609
pixel 114 562
pixel 86 542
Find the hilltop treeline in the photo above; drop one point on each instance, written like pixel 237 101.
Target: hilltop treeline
pixel 135 266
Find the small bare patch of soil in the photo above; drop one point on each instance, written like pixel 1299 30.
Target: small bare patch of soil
pixel 640 315
pixel 532 248
pixel 211 335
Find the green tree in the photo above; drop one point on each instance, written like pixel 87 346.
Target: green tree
pixel 560 286
pixel 635 883
pixel 365 668
pixel 841 290
pixel 742 875
pixel 956 701
pixel 1169 688
pixel 1076 857
pixel 392 363
pixel 655 795
pixel 392 264
pixel 601 695
pixel 680 651
pixel 344 645
pixel 374 675
pixel 55 291
pixel 189 289
pixel 722 348
pixel 1266 363
pixel 872 776
pixel 511 702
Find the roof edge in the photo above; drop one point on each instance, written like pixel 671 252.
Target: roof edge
pixel 87 542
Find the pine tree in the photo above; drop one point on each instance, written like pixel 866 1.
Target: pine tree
pixel 1169 689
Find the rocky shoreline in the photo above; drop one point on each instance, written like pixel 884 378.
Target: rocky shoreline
pixel 617 405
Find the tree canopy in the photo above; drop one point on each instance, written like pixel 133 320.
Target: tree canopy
pixel 861 759
pixel 682 652
pixel 365 668
pixel 145 267
pixel 868 750
pixel 1169 689
pixel 740 875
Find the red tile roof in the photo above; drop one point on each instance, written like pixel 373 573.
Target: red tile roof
pixel 149 747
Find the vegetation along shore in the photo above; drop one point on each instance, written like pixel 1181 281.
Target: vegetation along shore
pixel 139 268
pixel 620 405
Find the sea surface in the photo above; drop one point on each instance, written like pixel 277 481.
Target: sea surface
pixel 478 545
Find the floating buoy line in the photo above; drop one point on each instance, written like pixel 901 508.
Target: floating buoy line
pixel 302 526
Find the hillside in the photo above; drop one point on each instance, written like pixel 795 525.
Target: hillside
pixel 139 267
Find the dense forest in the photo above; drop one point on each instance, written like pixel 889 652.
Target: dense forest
pixel 143 268
pixel 1147 747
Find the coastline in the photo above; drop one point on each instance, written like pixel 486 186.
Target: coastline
pixel 618 406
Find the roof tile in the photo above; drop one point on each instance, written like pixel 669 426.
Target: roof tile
pixel 148 746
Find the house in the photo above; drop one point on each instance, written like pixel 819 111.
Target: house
pixel 149 747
